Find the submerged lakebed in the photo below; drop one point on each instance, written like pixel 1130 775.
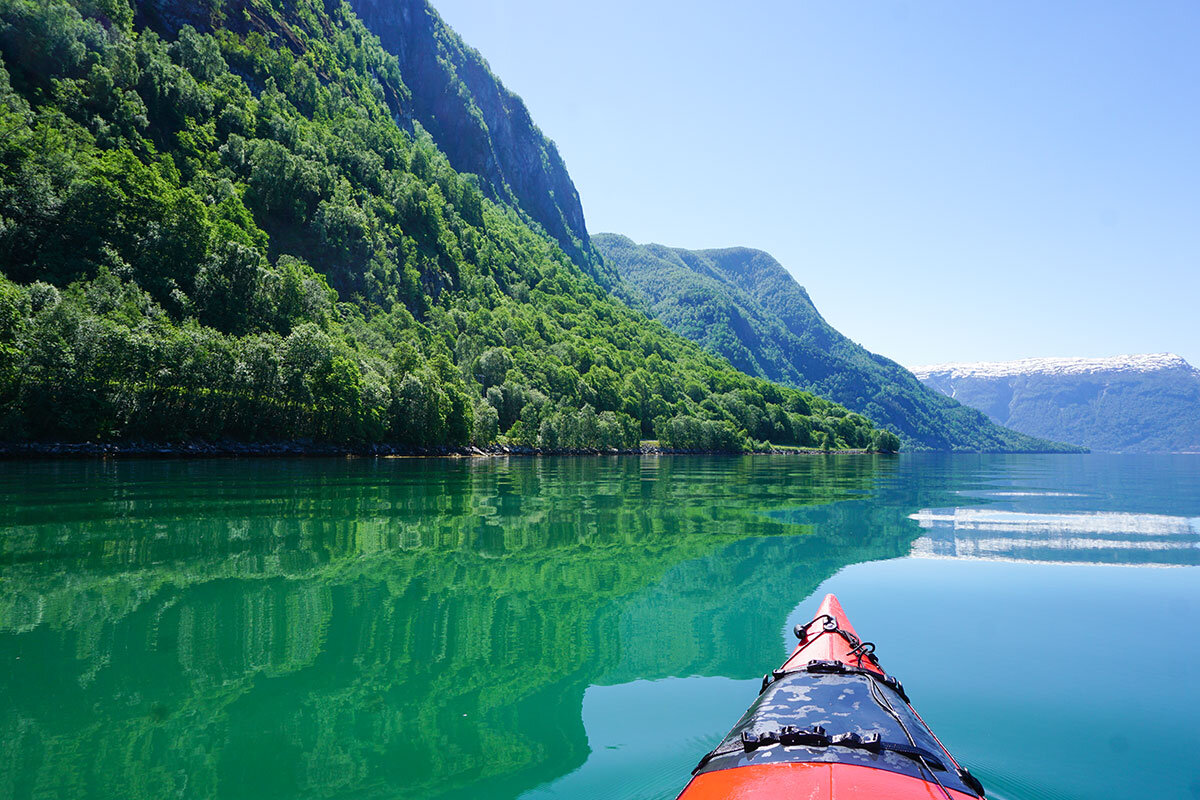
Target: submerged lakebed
pixel 580 627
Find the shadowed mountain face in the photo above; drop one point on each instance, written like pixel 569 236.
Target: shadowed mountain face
pixel 742 304
pixel 481 126
pixel 1130 404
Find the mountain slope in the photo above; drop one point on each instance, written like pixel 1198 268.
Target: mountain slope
pixel 1139 403
pixel 212 224
pixel 481 126
pixel 743 305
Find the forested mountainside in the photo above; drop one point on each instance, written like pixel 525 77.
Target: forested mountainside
pixel 1125 404
pixel 482 127
pixel 212 225
pixel 743 305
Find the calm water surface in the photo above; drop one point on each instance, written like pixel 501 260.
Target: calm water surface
pixel 581 628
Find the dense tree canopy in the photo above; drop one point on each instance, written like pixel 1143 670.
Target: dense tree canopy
pixel 227 234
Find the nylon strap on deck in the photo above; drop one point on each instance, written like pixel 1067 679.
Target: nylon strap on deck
pixel 751 742
pixel 869 723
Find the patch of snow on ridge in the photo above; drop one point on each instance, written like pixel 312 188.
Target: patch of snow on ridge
pixel 1147 362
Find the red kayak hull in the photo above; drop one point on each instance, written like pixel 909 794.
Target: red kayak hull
pixel 829 648
pixel 809 781
pixel 817 780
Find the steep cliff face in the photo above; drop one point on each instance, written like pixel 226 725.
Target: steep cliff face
pixel 1138 403
pixel 742 304
pixel 481 126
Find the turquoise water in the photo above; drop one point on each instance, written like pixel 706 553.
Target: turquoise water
pixel 579 628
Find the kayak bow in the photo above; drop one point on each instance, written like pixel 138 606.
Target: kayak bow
pixel 830 724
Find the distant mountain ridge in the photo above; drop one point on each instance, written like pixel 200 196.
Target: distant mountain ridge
pixel 742 304
pixel 1129 403
pixel 1146 362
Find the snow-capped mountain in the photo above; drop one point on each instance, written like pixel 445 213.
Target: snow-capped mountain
pixel 1146 362
pixel 1130 403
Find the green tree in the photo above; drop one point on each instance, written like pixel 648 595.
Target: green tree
pixel 885 442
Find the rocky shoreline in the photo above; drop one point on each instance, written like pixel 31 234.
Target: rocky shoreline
pixel 309 449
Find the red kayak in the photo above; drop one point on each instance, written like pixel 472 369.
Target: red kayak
pixel 830 724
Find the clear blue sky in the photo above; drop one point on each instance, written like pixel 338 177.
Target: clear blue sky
pixel 950 180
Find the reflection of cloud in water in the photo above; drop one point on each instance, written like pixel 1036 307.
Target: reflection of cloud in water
pixel 1099 537
pixel 982 519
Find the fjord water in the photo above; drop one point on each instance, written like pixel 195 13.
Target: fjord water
pixel 581 627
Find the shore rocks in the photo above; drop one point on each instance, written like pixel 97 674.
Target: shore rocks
pixel 309 449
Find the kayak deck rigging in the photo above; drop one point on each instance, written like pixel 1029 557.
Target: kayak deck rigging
pixel 830 724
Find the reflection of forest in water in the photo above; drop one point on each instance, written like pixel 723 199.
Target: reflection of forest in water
pixel 423 627
pixel 406 627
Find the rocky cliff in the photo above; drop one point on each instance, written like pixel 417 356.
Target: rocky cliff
pixel 481 126
pixel 1134 403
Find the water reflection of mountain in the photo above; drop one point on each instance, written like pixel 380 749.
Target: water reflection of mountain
pixel 734 603
pixel 380 628
pixel 1090 537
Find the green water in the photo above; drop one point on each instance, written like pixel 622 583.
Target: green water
pixel 581 628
